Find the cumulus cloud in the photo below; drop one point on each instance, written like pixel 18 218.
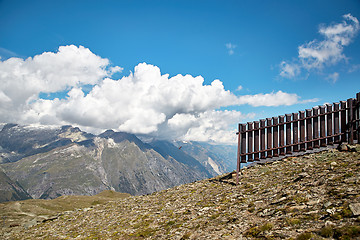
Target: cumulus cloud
pixel 23 80
pixel 143 102
pixel 316 54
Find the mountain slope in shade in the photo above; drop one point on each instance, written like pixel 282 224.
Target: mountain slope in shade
pixel 68 170
pixel 217 159
pixel 102 164
pixel 10 190
pixel 167 149
pixel 49 162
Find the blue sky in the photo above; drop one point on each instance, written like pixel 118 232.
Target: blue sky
pixel 262 46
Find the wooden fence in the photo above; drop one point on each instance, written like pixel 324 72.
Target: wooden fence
pixel 313 128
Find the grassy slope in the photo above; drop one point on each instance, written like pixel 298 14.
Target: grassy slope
pixel 29 212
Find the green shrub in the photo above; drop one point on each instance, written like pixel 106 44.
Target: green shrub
pixel 347 232
pixel 266 227
pixel 327 232
pixel 304 236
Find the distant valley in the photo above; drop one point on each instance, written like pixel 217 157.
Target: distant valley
pixel 45 162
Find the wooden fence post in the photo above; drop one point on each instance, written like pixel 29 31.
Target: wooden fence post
pixel 288 133
pixel 281 135
pixel 330 140
pixel 350 121
pixel 316 126
pixel 295 132
pixel 250 141
pixel 322 127
pixel 302 130
pixel 309 132
pixel 358 116
pixel 336 122
pixel 262 138
pixel 269 137
pixel 275 136
pixel 343 121
pixel 243 142
pixel 238 157
pixel 256 140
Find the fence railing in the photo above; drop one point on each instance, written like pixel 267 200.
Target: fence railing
pixel 313 128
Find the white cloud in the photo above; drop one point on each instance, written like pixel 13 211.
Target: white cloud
pixel 210 125
pixel 272 99
pixel 289 70
pixel 23 80
pixel 315 55
pixel 239 88
pixel 333 77
pixel 230 47
pixel 144 102
pixel 354 68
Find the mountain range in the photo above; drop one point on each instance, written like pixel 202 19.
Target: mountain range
pixel 47 162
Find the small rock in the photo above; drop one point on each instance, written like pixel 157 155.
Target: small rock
pixel 278 201
pixel 331 211
pixel 355 208
pixel 330 224
pixel 343 147
pixel 301 176
pixel 204 209
pixel 333 165
pixel 351 148
pixel 266 212
pixel 301 207
pixel 327 204
pixel 312 212
pixel 313 202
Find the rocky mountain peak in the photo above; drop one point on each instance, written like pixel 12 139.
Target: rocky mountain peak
pixel 48 162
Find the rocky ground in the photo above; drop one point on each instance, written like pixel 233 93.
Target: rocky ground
pixel 315 196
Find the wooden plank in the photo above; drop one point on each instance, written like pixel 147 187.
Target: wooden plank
pixel 309 132
pixel 302 130
pixel 269 137
pixel 262 138
pixel 256 140
pixel 343 121
pixel 336 122
pixel 250 141
pixel 281 135
pixel 322 127
pixel 295 131
pixel 275 136
pixel 316 143
pixel 350 121
pixel 288 133
pixel 329 132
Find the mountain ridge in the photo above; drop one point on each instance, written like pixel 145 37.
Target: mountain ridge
pixel 52 161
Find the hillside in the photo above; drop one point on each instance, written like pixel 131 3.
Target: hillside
pixel 315 196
